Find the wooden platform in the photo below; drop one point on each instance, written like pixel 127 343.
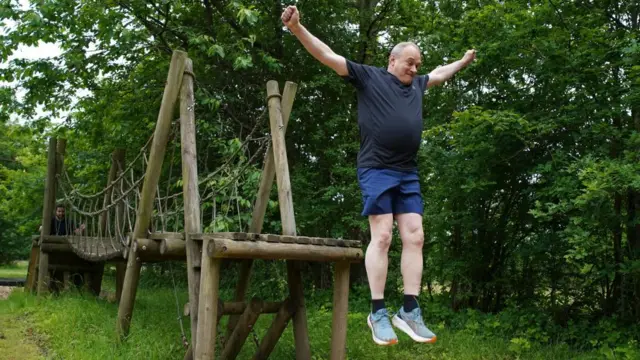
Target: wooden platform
pixel 94 249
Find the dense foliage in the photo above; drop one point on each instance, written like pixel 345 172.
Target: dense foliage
pixel 531 156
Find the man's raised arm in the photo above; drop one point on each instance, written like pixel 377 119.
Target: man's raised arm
pixel 318 49
pixel 444 73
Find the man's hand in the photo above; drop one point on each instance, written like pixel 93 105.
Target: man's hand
pixel 291 17
pixel 468 57
pixel 79 230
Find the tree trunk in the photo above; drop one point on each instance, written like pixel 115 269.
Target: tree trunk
pixel 633 229
pixel 614 301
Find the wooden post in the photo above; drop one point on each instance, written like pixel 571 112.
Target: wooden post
pixel 208 308
pixel 300 330
pixel 260 206
pixel 269 168
pixel 280 156
pixel 191 197
pixel 272 336
pixel 147 196
pixel 32 269
pixel 43 272
pixel 47 213
pixel 239 335
pixel 340 311
pixel 59 149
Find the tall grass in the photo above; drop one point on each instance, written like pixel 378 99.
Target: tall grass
pixel 76 325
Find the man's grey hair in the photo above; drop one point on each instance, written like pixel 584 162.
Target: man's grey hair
pixel 397 50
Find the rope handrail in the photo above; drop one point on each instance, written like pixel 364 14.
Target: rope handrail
pixel 117 179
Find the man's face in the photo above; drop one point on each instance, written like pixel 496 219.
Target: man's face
pixel 405 66
pixel 60 213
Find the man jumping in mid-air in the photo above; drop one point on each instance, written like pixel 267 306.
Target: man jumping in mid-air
pixel 390 122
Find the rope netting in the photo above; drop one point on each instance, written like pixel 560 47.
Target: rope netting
pixel 220 199
pixel 98 225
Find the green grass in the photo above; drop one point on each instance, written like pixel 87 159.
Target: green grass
pixel 16 270
pixel 78 326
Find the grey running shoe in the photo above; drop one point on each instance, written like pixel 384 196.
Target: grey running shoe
pixel 411 323
pixel 381 328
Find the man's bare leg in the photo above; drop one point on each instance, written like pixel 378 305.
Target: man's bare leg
pixel 411 263
pixel 376 259
pixel 409 318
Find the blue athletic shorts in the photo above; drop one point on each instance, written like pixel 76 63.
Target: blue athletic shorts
pixel 386 191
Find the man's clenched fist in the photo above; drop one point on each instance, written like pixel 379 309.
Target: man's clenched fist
pixel 290 17
pixel 469 56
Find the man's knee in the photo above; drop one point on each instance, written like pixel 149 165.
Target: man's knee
pixel 414 236
pixel 381 240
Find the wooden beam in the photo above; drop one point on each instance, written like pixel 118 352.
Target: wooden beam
pixel 276 329
pixel 269 168
pixel 272 238
pixel 238 307
pixel 191 196
pixel 146 247
pixel 260 206
pixel 243 328
pixel 57 239
pixel 173 247
pixel 231 249
pixel 287 217
pixel 285 198
pixel 57 248
pixel 147 195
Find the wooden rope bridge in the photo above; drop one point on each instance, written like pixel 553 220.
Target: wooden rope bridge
pixel 203 252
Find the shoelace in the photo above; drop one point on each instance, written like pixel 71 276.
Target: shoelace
pixel 382 319
pixel 418 317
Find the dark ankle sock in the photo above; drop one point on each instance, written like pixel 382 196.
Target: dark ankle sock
pixel 377 304
pixel 410 302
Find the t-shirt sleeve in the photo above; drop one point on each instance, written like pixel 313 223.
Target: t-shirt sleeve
pixel 358 75
pixel 424 80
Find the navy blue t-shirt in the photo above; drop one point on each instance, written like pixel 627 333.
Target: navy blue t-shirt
pixel 61 227
pixel 389 117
